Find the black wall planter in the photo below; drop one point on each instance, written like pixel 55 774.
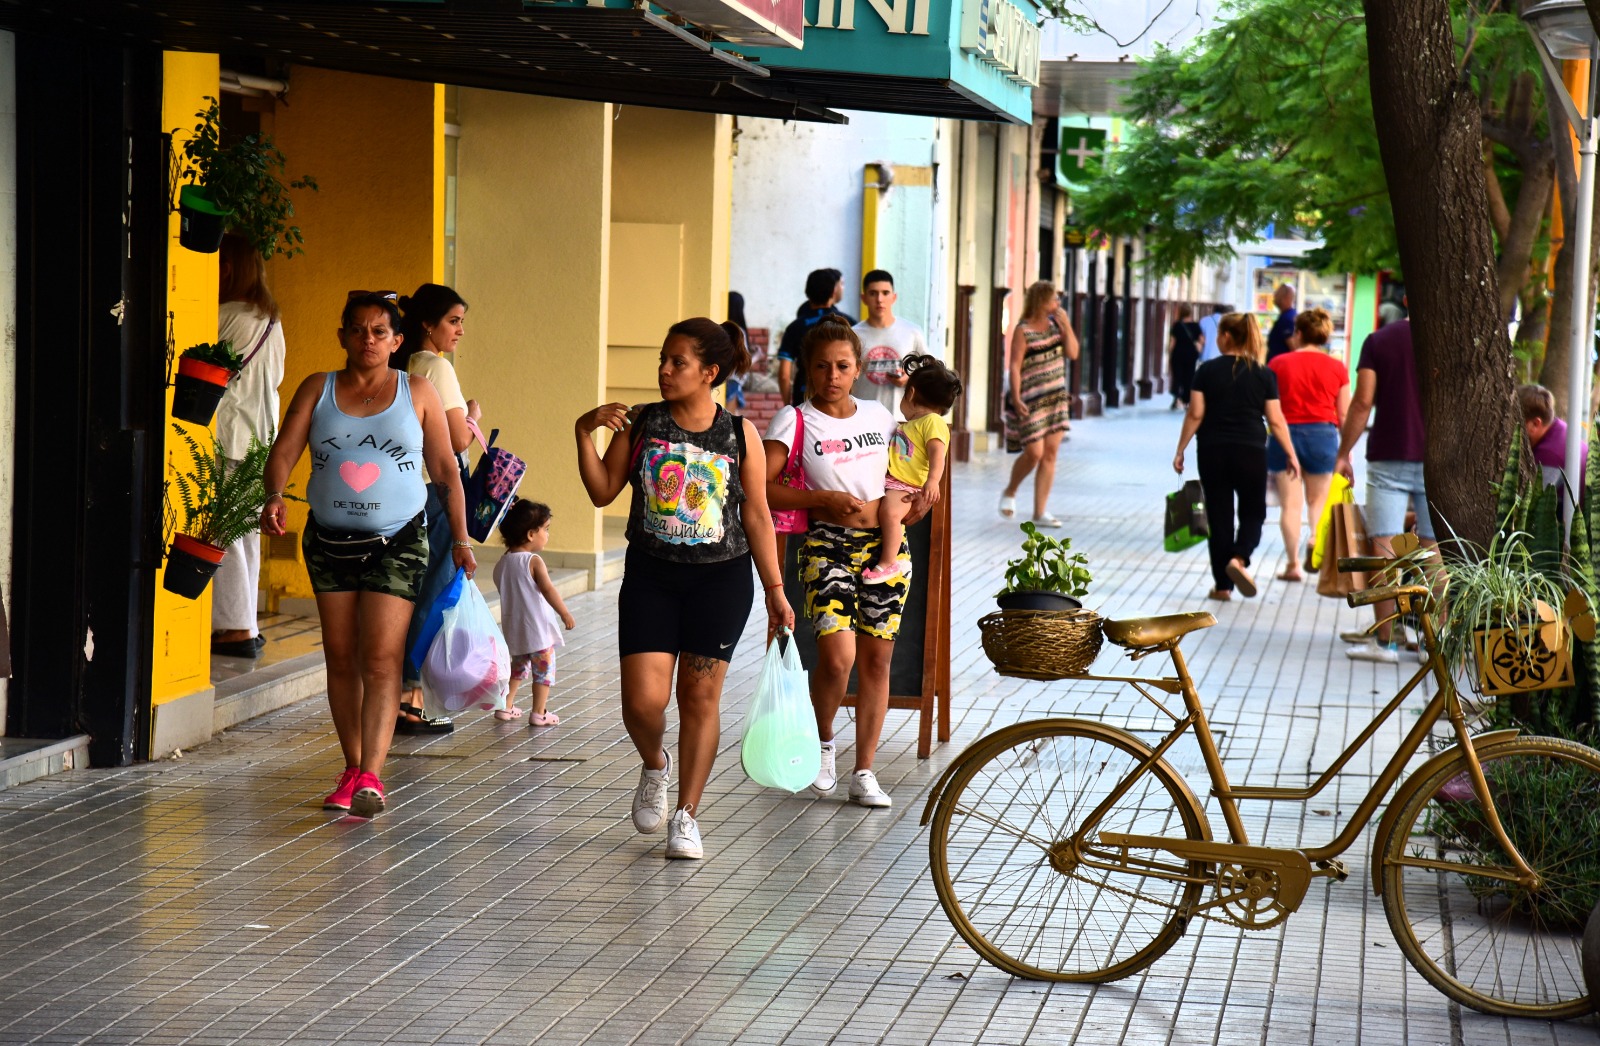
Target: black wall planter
pixel 197 389
pixel 190 566
pixel 203 222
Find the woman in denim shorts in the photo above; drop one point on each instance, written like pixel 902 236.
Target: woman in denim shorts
pixel 1314 391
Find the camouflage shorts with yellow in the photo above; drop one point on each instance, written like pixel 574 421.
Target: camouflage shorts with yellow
pixel 837 599
pixel 395 569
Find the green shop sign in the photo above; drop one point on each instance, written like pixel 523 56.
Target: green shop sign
pixel 1080 152
pixel 982 51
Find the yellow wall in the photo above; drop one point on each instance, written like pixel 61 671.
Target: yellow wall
pixel 533 216
pixel 182 657
pixel 671 212
pixel 375 147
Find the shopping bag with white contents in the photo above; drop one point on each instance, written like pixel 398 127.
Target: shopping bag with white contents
pixel 781 746
pixel 468 663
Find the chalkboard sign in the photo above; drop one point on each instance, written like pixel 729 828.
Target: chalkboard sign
pixel 919 674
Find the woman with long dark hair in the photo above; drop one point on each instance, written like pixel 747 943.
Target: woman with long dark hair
pixel 697 522
pixel 247 317
pixel 1038 404
pixel 1230 397
pixel 433 319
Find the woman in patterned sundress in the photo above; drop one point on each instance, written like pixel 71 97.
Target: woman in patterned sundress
pixel 1038 402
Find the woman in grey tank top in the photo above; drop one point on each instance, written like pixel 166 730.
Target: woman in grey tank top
pixel 369 428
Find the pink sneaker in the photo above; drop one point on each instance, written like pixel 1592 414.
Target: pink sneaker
pixel 343 789
pixel 368 798
pixel 873 575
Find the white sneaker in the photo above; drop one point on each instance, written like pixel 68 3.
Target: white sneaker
pixel 683 838
pixel 1374 651
pixel 650 798
pixel 827 778
pixel 864 790
pixel 1362 636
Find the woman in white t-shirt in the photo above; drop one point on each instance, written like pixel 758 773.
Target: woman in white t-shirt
pixel 247 317
pixel 844 454
pixel 433 321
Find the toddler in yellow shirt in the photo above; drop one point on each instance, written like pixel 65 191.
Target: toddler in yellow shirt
pixel 916 457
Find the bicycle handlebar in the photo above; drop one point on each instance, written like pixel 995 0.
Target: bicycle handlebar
pixel 1368 596
pixel 1365 564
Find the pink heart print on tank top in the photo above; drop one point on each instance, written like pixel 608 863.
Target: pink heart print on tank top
pixel 359 477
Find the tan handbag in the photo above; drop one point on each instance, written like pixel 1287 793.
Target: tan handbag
pixel 1346 535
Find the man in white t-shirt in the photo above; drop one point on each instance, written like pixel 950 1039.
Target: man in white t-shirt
pixel 885 341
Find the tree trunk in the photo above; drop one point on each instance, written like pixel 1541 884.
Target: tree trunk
pixel 1430 135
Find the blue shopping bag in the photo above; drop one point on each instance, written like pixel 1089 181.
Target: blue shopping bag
pixel 435 617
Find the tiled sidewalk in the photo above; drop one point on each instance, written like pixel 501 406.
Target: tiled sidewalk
pixel 506 899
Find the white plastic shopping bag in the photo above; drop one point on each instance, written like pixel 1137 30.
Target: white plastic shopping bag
pixel 468 663
pixel 781 746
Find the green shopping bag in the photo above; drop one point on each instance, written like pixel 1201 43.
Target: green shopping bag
pixel 781 746
pixel 1186 524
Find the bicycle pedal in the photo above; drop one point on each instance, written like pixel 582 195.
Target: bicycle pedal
pixel 1332 868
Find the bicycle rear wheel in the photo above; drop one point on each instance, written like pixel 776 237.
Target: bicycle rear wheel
pixel 1486 943
pixel 1019 891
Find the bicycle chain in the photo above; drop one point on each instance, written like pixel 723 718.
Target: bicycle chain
pixel 1164 904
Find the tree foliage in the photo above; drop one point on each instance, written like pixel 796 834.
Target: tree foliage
pixel 1267 120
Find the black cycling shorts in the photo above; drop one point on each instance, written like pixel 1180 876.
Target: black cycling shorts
pixel 683 608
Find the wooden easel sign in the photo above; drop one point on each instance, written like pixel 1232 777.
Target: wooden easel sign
pixel 919 675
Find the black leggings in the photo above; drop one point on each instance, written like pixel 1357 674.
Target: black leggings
pixel 1228 470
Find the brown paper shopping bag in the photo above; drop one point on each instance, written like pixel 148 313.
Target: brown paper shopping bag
pixel 1346 535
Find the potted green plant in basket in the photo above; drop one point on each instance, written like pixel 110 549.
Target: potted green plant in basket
pixel 1042 630
pixel 221 504
pixel 204 371
pixel 1047 576
pixel 235 185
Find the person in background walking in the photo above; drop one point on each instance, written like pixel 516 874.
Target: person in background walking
pixel 1184 342
pixel 1386 378
pixel 697 520
pixel 529 609
pixel 248 318
pixel 1208 331
pixel 1283 326
pixel 824 288
pixel 435 319
pixel 366 563
pixel 735 393
pixel 1231 395
pixel 886 341
pixel 1038 404
pixel 1314 392
pixel 845 456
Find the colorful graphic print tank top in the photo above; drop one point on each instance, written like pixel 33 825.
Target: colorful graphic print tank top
pixel 686 488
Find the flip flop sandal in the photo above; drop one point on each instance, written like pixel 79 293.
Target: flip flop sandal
pixel 1242 580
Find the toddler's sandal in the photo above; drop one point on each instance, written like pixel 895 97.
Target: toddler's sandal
pixel 507 715
pixel 543 719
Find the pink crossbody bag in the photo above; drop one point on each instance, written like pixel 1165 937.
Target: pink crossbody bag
pixel 793 520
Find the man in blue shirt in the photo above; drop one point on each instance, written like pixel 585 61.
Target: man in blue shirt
pixel 824 288
pixel 1283 328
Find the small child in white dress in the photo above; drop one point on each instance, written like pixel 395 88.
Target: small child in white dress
pixel 529 605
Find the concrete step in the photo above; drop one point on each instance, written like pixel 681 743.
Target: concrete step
pixel 24 759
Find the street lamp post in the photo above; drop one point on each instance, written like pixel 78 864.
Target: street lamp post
pixel 1562 31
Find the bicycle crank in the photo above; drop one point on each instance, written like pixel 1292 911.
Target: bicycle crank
pixel 1257 886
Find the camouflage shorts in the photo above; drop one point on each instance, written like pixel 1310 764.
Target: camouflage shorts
pixel 837 598
pixel 395 569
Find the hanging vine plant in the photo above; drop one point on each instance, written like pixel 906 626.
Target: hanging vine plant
pixel 235 185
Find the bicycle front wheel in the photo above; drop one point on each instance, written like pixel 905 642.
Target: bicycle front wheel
pixel 1020 888
pixel 1486 942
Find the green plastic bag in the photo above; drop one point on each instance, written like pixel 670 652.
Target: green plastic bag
pixel 1186 524
pixel 781 746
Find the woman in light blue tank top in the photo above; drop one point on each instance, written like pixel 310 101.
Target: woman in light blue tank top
pixel 370 429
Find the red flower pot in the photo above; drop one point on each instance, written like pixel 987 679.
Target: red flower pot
pixel 190 566
pixel 198 389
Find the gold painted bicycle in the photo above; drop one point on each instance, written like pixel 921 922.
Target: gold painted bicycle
pixel 1070 850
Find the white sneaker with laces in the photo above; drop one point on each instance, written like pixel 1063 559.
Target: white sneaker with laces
pixel 827 778
pixel 650 798
pixel 1374 651
pixel 683 838
pixel 864 791
pixel 1362 636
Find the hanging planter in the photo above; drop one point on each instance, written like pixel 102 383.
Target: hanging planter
pixel 203 374
pixel 191 563
pixel 202 221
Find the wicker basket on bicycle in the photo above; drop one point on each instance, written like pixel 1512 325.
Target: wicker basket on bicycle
pixel 1041 644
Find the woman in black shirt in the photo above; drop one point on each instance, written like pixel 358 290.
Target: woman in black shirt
pixel 1231 395
pixel 1184 342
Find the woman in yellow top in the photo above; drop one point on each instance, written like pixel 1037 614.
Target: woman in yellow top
pixel 916 457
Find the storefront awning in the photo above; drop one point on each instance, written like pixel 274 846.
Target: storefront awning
pixel 621 55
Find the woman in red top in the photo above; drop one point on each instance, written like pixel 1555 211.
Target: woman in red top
pixel 1314 389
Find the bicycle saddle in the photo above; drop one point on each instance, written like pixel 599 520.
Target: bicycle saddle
pixel 1144 633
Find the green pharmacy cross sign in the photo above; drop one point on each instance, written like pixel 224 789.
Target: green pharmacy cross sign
pixel 1079 152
